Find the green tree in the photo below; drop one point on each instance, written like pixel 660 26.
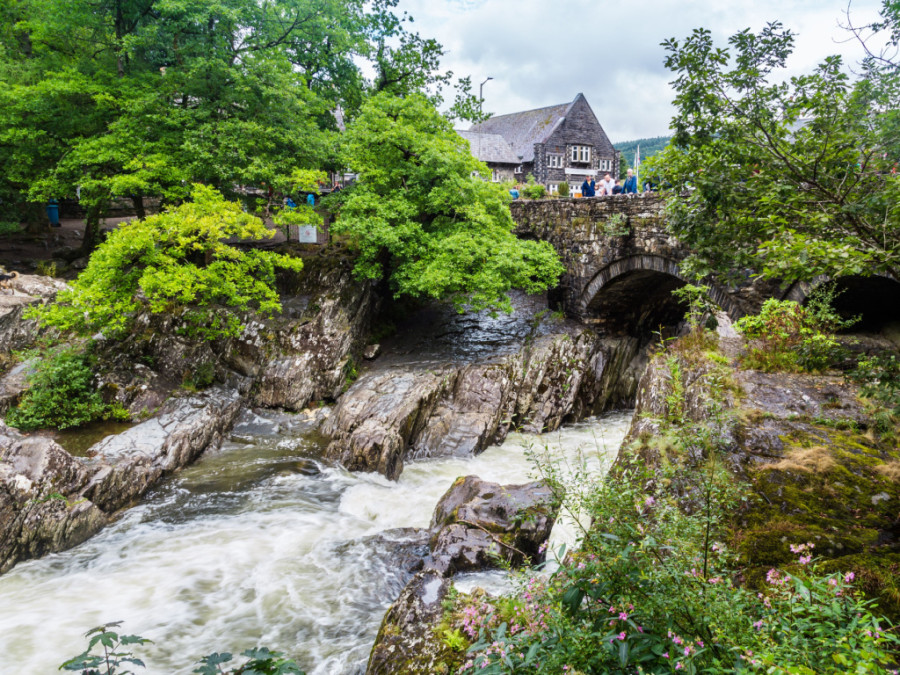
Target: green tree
pixel 179 263
pixel 142 98
pixel 792 179
pixel 420 217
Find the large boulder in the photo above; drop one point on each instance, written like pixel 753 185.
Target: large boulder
pixel 809 449
pixel 126 465
pixel 477 523
pixel 407 642
pixel 41 510
pixel 50 500
pixel 416 410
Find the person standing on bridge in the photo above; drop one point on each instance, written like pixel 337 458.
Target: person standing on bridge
pixel 630 187
pixel 607 185
pixel 588 187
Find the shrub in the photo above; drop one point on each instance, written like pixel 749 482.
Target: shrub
pixel 178 263
pixel 62 395
pixel 792 337
pixel 652 588
pixel 563 189
pixel 9 229
pixel 533 190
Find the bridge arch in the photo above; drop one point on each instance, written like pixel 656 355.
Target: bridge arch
pixel 875 298
pixel 637 289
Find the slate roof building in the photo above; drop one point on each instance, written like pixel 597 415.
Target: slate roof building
pixel 559 143
pixel 493 150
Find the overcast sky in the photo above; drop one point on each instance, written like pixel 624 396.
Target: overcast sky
pixel 542 53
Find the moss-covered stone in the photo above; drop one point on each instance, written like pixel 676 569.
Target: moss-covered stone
pixel 806 450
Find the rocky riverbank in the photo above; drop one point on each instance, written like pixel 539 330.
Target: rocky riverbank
pixel 815 461
pixel 461 385
pixel 51 500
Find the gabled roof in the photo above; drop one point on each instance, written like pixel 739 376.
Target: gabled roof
pixel 523 129
pixel 490 147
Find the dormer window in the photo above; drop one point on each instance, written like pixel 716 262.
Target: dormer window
pixel 581 154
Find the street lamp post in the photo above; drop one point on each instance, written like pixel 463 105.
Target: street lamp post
pixel 481 108
pixel 481 90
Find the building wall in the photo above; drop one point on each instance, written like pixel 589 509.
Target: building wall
pixel 579 128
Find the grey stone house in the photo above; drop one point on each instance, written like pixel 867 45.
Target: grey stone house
pixel 559 143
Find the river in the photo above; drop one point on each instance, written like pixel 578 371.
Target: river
pixel 258 543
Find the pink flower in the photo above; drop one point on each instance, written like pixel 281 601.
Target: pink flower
pixel 623 616
pixel 622 635
pixel 665 655
pixel 850 576
pixel 804 559
pixel 758 624
pixel 679 665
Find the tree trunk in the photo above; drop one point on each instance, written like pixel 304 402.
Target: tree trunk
pixel 91 230
pixel 138 202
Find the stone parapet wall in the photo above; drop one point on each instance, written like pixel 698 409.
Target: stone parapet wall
pixel 602 239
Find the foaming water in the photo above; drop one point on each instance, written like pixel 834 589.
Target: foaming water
pixel 260 543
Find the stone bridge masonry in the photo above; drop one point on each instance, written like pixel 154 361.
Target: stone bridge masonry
pixel 621 264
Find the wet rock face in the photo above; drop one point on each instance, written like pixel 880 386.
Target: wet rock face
pixel 50 500
pixel 413 410
pixel 407 642
pixel 40 511
pixel 476 522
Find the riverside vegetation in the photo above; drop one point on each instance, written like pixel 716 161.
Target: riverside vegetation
pixel 663 579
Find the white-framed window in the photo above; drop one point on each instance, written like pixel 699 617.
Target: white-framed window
pixel 581 153
pixel 554 188
pixel 495 176
pixel 605 165
pixel 554 161
pixel 518 169
pixel 475 174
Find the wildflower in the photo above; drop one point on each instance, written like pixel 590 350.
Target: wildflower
pixel 804 559
pixel 772 576
pixel 649 501
pixel 832 582
pixel 679 665
pixel 758 624
pixel 623 616
pixel 622 635
pixel 700 644
pixel 850 576
pixel 687 650
pixel 665 655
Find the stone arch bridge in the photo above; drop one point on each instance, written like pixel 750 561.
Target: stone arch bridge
pixel 621 264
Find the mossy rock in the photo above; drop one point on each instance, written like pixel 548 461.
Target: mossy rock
pixel 836 489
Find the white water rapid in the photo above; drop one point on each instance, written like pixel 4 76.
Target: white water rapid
pixel 259 543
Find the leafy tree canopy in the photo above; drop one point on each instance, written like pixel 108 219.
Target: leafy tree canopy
pixel 137 98
pixel 421 216
pixel 791 178
pixel 179 262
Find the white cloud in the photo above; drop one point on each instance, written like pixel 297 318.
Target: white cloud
pixel 542 53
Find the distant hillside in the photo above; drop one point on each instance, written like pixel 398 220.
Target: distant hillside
pixel 649 147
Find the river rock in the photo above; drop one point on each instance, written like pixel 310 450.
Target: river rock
pixel 50 500
pixel 411 411
pixel 477 522
pixel 126 465
pixel 16 332
pixel 41 510
pixel 407 641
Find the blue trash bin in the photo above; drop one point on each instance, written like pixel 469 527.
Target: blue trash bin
pixel 53 213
